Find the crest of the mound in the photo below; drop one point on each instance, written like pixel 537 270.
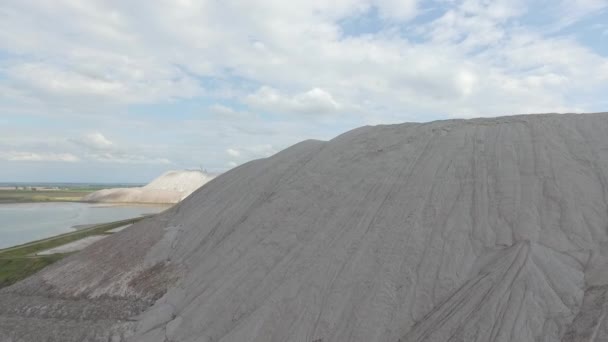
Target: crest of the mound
pixel 185 181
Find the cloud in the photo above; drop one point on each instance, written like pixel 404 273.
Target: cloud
pixel 246 153
pixel 293 58
pixel 38 157
pixel 100 149
pixel 233 153
pixel 261 150
pixel 202 77
pixel 568 12
pixel 401 10
pixel 226 112
pixel 314 101
pixel 52 79
pixel 96 141
pixel 125 158
pixel 97 80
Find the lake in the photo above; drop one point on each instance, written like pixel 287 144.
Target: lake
pixel 25 222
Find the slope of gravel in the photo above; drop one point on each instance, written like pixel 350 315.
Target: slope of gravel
pixel 170 187
pixel 74 245
pixel 459 230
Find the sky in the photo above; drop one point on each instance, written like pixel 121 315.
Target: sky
pixel 121 91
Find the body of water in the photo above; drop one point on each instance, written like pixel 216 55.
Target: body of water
pixel 25 222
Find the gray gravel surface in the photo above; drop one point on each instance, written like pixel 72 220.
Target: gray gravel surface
pixel 460 230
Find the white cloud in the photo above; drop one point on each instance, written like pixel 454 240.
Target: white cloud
pixel 314 101
pixel 100 149
pixel 38 157
pixel 124 158
pixel 249 152
pixel 270 73
pixel 150 53
pixel 104 78
pixel 229 113
pixel 261 150
pixel 96 140
pixel 568 12
pixel 233 153
pixel 246 153
pixel 54 80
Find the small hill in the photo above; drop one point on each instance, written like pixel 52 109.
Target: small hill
pixel 171 187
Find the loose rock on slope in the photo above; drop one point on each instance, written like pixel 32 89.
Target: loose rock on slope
pixel 459 230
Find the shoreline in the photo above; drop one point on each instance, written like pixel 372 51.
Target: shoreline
pixel 28 222
pixel 21 261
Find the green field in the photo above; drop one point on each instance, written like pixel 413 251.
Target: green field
pixel 19 262
pixel 28 196
pixel 15 269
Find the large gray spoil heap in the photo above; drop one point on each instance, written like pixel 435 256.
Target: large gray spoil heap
pixel 460 230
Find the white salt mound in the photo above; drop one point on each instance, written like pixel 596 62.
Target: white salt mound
pixel 460 230
pixel 171 187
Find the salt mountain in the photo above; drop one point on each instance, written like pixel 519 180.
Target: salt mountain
pixel 459 230
pixel 170 187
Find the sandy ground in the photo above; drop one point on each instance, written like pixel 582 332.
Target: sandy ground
pixel 73 246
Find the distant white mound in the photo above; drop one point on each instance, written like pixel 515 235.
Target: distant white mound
pixel 171 187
